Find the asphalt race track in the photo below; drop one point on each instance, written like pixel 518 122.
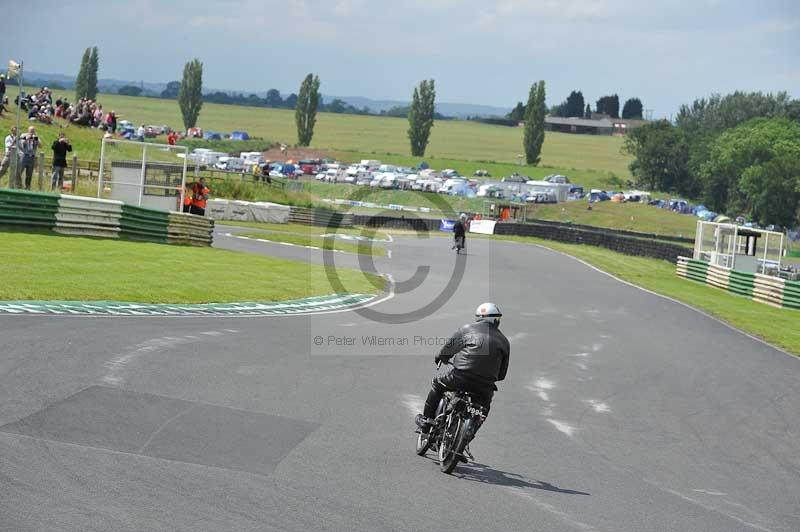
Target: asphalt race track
pixel 622 411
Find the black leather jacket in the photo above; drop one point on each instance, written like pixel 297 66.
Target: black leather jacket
pixel 479 349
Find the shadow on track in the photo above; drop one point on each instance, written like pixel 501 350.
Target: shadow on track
pixel 482 473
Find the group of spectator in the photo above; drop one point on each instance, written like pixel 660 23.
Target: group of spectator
pixel 25 147
pixel 41 107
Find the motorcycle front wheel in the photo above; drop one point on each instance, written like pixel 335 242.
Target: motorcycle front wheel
pixel 448 453
pixel 423 442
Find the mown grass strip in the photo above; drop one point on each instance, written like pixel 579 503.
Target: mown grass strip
pixel 53 267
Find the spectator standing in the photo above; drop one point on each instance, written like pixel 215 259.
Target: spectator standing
pixel 10 151
pixel 60 149
pixel 2 87
pixel 140 133
pixel 28 144
pixel 172 138
pixel 188 192
pixel 200 194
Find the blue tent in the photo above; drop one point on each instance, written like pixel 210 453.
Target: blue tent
pixel 212 135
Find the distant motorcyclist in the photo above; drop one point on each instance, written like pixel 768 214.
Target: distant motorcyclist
pixel 459 232
pixel 476 357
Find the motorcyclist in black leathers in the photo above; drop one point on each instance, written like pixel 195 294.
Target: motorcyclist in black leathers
pixel 460 231
pixel 478 357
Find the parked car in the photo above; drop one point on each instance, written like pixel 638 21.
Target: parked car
pixel 239 135
pixel 212 135
pixel 194 133
pixel 453 185
pixel 231 164
pixel 557 178
pixel 515 178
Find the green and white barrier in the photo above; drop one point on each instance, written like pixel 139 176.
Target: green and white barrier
pixel 80 216
pixel 27 210
pixel 772 291
pixel 116 308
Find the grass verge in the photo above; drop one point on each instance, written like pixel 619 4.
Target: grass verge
pixel 362 248
pixel 52 267
pixel 776 326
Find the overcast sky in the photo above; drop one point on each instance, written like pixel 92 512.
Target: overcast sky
pixel 483 52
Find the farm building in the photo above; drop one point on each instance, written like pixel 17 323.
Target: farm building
pixel 579 125
pixel 591 126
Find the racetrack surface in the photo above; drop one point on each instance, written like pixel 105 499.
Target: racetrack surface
pixel 622 411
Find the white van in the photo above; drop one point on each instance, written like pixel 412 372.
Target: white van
pixel 252 157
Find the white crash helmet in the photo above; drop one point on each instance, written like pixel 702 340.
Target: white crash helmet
pixel 488 312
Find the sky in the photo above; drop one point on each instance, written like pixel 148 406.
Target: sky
pixel 666 52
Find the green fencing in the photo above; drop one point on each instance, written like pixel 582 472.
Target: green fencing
pixel 144 225
pixel 27 210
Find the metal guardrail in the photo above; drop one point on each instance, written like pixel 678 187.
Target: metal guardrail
pixel 772 291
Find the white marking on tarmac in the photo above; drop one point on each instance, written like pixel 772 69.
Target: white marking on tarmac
pixel 580 355
pixel 597 347
pixel 713 509
pixel 119 363
pixel 544 384
pixel 212 333
pixel 681 303
pixel 517 336
pixel 564 516
pixel 389 253
pixel 582 366
pixel 598 406
pixel 707 492
pixel 566 428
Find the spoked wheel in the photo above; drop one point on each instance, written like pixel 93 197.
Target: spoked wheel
pixel 423 442
pixel 448 451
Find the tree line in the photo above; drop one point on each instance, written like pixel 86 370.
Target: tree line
pixel 576 106
pixel 738 153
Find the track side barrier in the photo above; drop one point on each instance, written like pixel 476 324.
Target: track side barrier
pixel 82 216
pixel 772 291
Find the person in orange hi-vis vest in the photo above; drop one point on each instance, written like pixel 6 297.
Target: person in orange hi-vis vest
pixel 200 197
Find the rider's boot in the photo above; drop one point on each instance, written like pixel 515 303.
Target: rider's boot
pixel 466 455
pixel 423 424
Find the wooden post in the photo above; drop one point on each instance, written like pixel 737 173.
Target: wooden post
pixel 41 170
pixel 74 174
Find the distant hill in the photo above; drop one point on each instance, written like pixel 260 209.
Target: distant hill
pixel 457 110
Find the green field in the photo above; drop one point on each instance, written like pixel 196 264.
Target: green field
pixel 776 326
pixel 48 267
pixel 450 139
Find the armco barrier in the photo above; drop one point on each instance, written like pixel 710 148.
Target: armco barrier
pixel 80 216
pixel 391 222
pixel 320 217
pixel 618 232
pixel 615 242
pixel 772 291
pixel 23 209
